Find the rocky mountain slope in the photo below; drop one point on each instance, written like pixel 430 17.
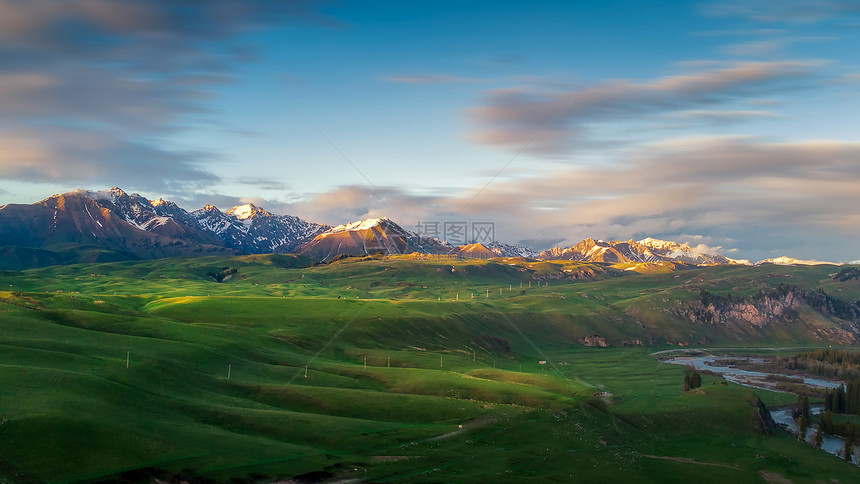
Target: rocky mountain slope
pixel 645 250
pixel 88 226
pixel 371 236
pixel 64 227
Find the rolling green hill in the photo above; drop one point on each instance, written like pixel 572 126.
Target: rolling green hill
pixel 366 368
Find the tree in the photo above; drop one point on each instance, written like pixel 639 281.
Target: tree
pixel 695 380
pixel 818 439
pixel 802 427
pixel 686 386
pixel 848 450
pixel 826 422
pixel 840 399
pixel 805 411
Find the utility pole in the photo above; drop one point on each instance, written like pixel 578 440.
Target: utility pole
pixel 127 356
pixel 389 362
pixel 440 362
pixel 365 362
pixel 229 367
pixel 306 371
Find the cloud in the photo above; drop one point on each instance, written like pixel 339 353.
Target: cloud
pixel 739 187
pixel 721 117
pixel 548 121
pixel 92 88
pixel 739 196
pixel 772 46
pixel 433 79
pixel 795 11
pixel 84 156
pixel 849 79
pixel 262 183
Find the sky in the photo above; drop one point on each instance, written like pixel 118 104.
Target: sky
pixel 730 125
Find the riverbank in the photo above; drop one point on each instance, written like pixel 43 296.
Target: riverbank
pixel 771 381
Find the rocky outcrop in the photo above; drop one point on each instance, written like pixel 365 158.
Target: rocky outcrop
pixel 594 340
pixel 763 423
pixel 768 306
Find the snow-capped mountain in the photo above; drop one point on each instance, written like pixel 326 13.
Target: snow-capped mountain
pixel 371 236
pixel 131 226
pixel 246 228
pixel 127 226
pixel 645 250
pixel 252 230
pixel 83 226
pixel 790 261
pixel 507 250
pixel 161 218
pixel 684 252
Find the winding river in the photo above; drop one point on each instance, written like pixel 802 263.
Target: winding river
pixel 755 379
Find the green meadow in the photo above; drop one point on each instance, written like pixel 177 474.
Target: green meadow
pixel 384 370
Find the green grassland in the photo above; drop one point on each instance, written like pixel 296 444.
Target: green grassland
pixel 367 368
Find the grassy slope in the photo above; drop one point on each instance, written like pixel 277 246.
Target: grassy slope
pixel 70 410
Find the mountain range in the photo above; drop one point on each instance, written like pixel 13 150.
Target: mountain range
pixel 112 225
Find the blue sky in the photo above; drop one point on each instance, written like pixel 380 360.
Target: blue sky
pixel 727 124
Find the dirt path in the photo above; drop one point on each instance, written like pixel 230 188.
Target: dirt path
pixel 687 460
pixel 469 425
pixel 774 478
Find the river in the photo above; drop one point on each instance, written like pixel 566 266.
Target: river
pixel 756 379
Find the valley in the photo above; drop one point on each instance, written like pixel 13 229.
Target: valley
pixel 367 367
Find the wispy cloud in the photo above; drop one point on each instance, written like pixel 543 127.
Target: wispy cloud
pixel 63 154
pixel 433 79
pixel 736 192
pixel 721 117
pixel 798 11
pixel 262 183
pixel 772 46
pixel 510 117
pixel 849 79
pixel 90 89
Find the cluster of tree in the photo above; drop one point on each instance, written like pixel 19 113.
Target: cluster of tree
pixel 847 430
pixel 829 355
pixel 691 381
pixel 847 274
pixel 830 363
pixel 844 400
pixel 223 273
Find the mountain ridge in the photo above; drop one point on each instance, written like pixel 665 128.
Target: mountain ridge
pixel 115 221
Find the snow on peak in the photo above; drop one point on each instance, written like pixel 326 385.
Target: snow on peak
pixel 788 261
pixel 359 225
pixel 658 244
pixel 99 195
pixel 156 203
pixel 244 212
pixel 210 208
